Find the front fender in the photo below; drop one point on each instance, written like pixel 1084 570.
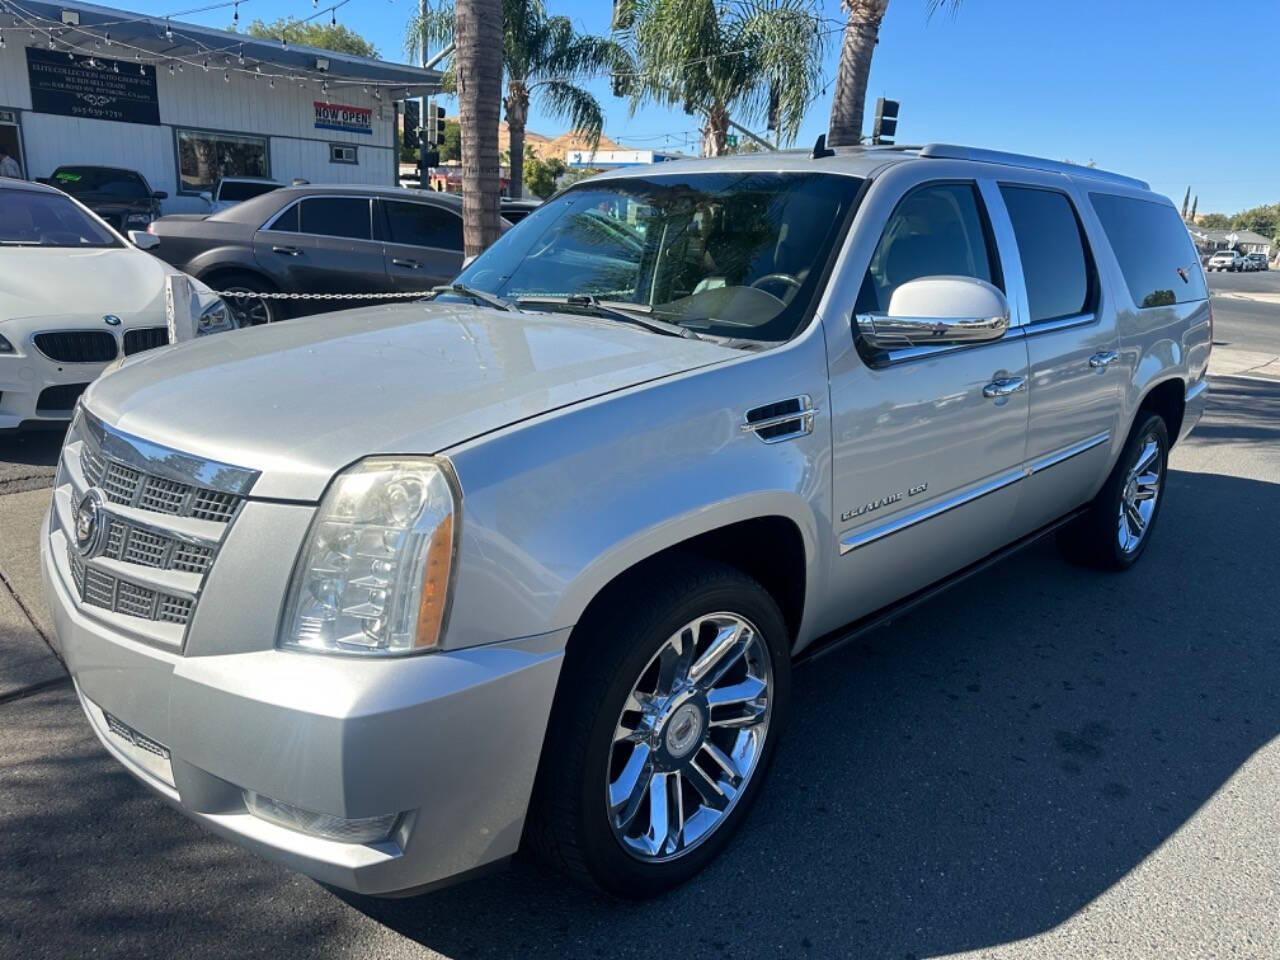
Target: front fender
pixel 555 508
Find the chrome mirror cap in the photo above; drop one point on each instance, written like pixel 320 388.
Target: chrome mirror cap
pixel 935 311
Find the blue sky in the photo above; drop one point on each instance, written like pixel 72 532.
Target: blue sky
pixel 1176 92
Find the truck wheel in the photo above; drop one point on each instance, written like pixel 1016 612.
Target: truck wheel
pixel 663 729
pixel 1115 531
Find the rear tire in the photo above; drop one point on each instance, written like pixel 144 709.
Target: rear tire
pixel 1115 531
pixel 621 803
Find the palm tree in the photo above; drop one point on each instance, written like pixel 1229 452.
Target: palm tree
pixel 478 75
pixel 753 58
pixel 861 34
pixel 543 57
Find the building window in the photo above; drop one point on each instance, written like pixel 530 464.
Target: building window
pixel 342 153
pixel 204 158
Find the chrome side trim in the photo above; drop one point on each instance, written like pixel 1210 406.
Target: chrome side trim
pixel 903 355
pixel 161 461
pixel 854 540
pixel 1062 323
pixel 1194 391
pixel 803 418
pixel 1066 453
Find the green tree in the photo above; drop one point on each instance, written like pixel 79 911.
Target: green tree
pixel 1215 221
pixel 541 176
pixel 1264 220
pixel 543 57
pixel 861 34
pixel 322 36
pixel 752 58
pixel 451 142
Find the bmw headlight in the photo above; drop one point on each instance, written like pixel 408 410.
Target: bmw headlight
pixel 373 575
pixel 215 318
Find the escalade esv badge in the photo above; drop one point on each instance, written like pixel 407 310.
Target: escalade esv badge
pixel 848 515
pixel 89 525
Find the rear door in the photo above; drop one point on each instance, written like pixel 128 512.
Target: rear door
pixel 324 244
pixel 1073 348
pixel 422 243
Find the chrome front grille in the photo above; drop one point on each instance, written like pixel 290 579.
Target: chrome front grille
pixel 165 515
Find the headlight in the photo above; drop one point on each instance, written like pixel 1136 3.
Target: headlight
pixel 372 577
pixel 6 346
pixel 215 318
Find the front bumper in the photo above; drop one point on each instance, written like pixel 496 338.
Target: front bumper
pixel 25 375
pixel 451 740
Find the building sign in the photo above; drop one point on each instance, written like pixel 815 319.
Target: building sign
pixel 336 116
pixel 92 87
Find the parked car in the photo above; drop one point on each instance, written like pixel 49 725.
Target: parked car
pixel 1229 260
pixel 122 198
pixel 318 239
pixel 75 297
pixel 513 211
pixel 530 563
pixel 232 190
pixel 1258 261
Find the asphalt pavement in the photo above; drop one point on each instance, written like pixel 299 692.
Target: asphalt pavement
pixel 1046 762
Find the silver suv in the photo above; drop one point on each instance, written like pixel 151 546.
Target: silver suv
pixel 388 594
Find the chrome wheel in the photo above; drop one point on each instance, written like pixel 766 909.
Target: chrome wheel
pixel 1139 495
pixel 249 308
pixel 689 737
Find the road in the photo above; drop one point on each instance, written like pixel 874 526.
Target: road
pixel 1045 763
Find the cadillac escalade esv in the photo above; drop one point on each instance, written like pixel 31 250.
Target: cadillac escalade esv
pixel 389 594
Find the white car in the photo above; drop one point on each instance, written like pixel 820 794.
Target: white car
pixel 75 296
pixel 1229 260
pixel 233 190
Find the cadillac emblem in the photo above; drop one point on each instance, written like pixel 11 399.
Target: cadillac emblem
pixel 90 526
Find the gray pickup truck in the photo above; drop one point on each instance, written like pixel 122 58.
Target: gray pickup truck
pixel 391 594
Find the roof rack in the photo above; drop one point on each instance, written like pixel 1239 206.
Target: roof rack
pixel 950 151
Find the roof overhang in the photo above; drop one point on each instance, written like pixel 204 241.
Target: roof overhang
pixel 82 28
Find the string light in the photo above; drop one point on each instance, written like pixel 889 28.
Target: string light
pixel 168 30
pixel 235 16
pixel 226 77
pixel 1 41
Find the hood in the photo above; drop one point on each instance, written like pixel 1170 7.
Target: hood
pixel 302 399
pixel 111 203
pixel 48 281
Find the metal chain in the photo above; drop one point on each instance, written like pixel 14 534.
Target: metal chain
pixel 246 294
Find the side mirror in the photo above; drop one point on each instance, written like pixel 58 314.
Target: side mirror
pixel 938 310
pixel 143 240
pixel 160 195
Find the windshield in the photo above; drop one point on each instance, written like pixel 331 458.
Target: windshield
pixel 114 183
pixel 735 255
pixel 31 219
pixel 237 190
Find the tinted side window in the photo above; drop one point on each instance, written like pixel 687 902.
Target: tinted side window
pixel 336 217
pixel 1057 269
pixel 423 225
pixel 287 222
pixel 1153 249
pixel 937 230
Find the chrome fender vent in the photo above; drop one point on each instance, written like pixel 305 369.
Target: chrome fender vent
pixel 782 420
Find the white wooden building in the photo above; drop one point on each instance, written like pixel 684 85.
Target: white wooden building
pixel 185 105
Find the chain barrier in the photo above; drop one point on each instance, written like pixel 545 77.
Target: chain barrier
pixel 247 294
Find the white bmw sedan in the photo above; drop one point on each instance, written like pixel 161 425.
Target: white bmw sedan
pixel 74 296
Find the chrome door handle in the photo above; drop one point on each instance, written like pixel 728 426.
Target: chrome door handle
pixel 1002 388
pixel 411 264
pixel 287 251
pixel 1100 361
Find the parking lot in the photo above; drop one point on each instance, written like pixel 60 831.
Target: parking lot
pixel 1046 762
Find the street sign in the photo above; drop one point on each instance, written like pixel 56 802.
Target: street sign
pixel 730 139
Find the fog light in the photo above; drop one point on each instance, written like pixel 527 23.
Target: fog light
pixel 359 830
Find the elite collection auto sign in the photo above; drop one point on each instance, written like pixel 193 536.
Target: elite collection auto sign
pixel 337 116
pixel 92 87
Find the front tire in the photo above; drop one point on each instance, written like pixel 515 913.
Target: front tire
pixel 1115 531
pixel 670 707
pixel 249 310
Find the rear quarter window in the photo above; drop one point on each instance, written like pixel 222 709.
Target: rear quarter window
pixel 1153 249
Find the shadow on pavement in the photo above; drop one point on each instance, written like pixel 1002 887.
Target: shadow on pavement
pixel 974 774
pixel 1241 411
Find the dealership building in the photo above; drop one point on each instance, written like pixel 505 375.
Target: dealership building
pixel 185 105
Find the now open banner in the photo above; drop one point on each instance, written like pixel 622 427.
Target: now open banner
pixel 337 116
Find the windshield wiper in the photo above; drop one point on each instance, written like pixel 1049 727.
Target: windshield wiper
pixel 638 313
pixel 462 290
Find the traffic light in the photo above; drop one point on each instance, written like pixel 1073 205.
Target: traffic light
pixel 886 124
pixel 435 123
